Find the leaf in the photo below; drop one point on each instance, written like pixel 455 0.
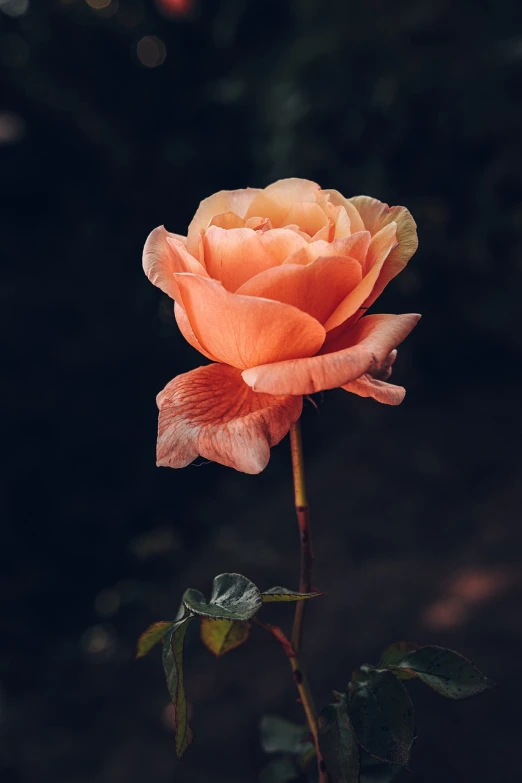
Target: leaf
pixel 173 665
pixel 446 671
pixel 283 770
pixel 151 637
pixel 278 594
pixel 393 654
pixel 382 716
pixel 221 636
pixel 338 744
pixel 281 736
pixel 234 597
pixel 374 771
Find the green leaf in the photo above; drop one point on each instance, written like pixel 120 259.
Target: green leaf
pixel 221 636
pixel 278 594
pixel 283 770
pixel 338 744
pixel 446 671
pixel 374 771
pixel 281 736
pixel 234 597
pixel 382 716
pixel 173 666
pixel 151 637
pixel 392 656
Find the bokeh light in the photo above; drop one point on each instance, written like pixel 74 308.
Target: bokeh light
pixel 151 51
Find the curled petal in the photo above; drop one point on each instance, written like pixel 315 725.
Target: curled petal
pixel 244 331
pixel 376 215
pixel 236 201
pixel 164 254
pixel 282 243
pixel 186 330
pixel 309 217
pixel 234 255
pixel 354 246
pixel 274 201
pixel 366 386
pixel 227 220
pixel 210 412
pixel 379 249
pixel 316 288
pixel 368 344
pixel 294 189
pixel 338 200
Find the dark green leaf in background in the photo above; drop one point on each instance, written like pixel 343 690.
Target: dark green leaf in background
pixel 279 594
pixel 446 671
pixel 283 770
pixel 393 654
pixel 382 716
pixel 151 637
pixel 234 597
pixel 278 735
pixel 338 744
pixel 173 666
pixel 221 636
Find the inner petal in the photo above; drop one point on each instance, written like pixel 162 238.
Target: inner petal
pixel 233 256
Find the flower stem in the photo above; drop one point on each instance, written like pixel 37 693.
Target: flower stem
pixel 305 586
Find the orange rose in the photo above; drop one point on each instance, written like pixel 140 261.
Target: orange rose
pixel 271 284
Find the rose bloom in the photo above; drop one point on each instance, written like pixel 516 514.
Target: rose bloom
pixel 273 287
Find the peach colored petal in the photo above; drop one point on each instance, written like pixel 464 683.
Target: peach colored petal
pixel 316 288
pixel 224 201
pixel 259 224
pixel 338 200
pixel 366 386
pixel 186 330
pixel 355 246
pixel 281 243
pixel 227 220
pixel 210 412
pixel 378 251
pixel 309 217
pixel 376 215
pixel 368 344
pixel 325 233
pixel 235 255
pixel 294 189
pixel 164 254
pixel 245 331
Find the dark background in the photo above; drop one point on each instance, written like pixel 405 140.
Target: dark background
pixel 416 509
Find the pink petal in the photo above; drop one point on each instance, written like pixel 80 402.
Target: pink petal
pixel 233 256
pixel 376 215
pixel 316 288
pixel 224 201
pixel 366 386
pixel 210 412
pixel 186 330
pixel 367 345
pixel 164 254
pixel 245 331
pixel 379 249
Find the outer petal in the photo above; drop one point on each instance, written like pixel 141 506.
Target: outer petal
pixel 186 330
pixel 316 288
pixel 245 331
pixel 366 386
pixel 234 255
pixel 164 254
pixel 380 247
pixel 376 215
pixel 211 412
pixel 224 201
pixel 369 342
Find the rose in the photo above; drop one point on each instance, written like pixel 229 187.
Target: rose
pixel 271 285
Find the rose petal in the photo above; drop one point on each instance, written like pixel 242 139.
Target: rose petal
pixel 227 220
pixel 274 201
pixel 294 189
pixel 235 255
pixel 224 201
pixel 368 344
pixel 354 246
pixel 309 217
pixel 338 200
pixel 376 215
pixel 186 330
pixel 379 249
pixel 245 331
pixel 211 412
pixel 164 254
pixel 366 386
pixel 316 288
pixel 281 243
